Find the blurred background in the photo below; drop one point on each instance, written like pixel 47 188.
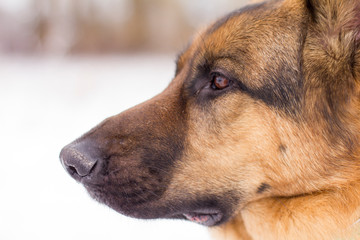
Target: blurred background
pixel 103 26
pixel 65 65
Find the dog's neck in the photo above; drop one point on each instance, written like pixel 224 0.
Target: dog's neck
pixel 326 215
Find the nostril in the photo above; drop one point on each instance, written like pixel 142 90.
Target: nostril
pixel 76 162
pixel 71 169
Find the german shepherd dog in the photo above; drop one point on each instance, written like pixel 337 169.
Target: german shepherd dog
pixel 257 136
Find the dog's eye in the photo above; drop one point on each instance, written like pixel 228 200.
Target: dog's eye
pixel 219 82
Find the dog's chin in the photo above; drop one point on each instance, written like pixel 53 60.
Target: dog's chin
pixel 207 211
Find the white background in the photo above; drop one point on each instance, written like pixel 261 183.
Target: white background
pixel 44 105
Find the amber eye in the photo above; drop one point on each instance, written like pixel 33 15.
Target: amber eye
pixel 219 82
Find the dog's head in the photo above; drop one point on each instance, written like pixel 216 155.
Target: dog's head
pixel 264 102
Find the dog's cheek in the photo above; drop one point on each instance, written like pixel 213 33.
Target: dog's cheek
pixel 225 151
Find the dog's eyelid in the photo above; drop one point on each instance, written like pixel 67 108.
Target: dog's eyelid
pixel 223 72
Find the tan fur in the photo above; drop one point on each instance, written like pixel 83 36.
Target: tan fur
pixel 323 215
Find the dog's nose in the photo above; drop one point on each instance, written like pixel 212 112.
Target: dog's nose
pixel 76 161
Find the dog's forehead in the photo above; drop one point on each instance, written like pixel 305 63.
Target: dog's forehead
pixel 237 32
pixel 256 26
pixel 239 16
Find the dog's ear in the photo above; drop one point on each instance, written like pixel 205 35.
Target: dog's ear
pixel 331 51
pixel 334 34
pixel 337 19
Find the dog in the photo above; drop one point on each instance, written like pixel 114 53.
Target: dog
pixel 256 137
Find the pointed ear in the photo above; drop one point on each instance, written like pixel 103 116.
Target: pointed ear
pixel 336 16
pixel 334 33
pixel 331 53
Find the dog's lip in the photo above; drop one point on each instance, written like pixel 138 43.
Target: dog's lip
pixel 206 217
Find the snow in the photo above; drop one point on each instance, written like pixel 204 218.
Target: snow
pixel 48 102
